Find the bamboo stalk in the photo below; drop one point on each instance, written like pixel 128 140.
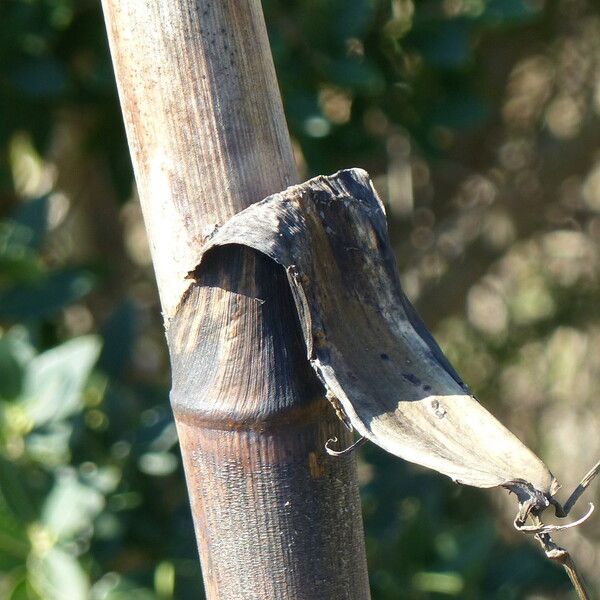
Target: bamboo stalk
pixel 275 517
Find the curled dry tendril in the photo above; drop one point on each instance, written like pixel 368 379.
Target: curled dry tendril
pixel 532 510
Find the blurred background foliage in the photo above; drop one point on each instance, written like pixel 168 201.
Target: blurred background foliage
pixel 479 122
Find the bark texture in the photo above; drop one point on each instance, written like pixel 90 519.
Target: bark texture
pixel 204 120
pixel 275 517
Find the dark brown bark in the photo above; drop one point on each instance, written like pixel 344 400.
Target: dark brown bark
pixel 264 493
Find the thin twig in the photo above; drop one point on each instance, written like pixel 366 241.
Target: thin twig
pixel 530 510
pixel 585 482
pixel 542 532
pixel 561 556
pixel 576 579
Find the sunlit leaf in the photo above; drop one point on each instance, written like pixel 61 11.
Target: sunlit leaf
pixel 71 506
pixel 157 464
pixel 54 380
pixel 58 575
pixel 104 479
pixel 450 584
pixel 113 587
pixel 49 444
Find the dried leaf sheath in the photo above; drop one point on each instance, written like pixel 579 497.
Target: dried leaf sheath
pixel 365 340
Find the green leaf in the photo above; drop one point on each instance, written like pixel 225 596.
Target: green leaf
pixel 11 370
pixel 14 545
pixel 54 380
pixel 16 496
pixel 19 268
pixel 45 296
pixel 15 355
pixel 33 215
pixel 119 337
pixel 58 575
pixel 71 506
pixel 356 74
pixel 19 590
pixel 18 260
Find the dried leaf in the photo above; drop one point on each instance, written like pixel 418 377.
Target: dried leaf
pixel 367 343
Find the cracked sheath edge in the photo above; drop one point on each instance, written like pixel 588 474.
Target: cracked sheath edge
pixel 270 223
